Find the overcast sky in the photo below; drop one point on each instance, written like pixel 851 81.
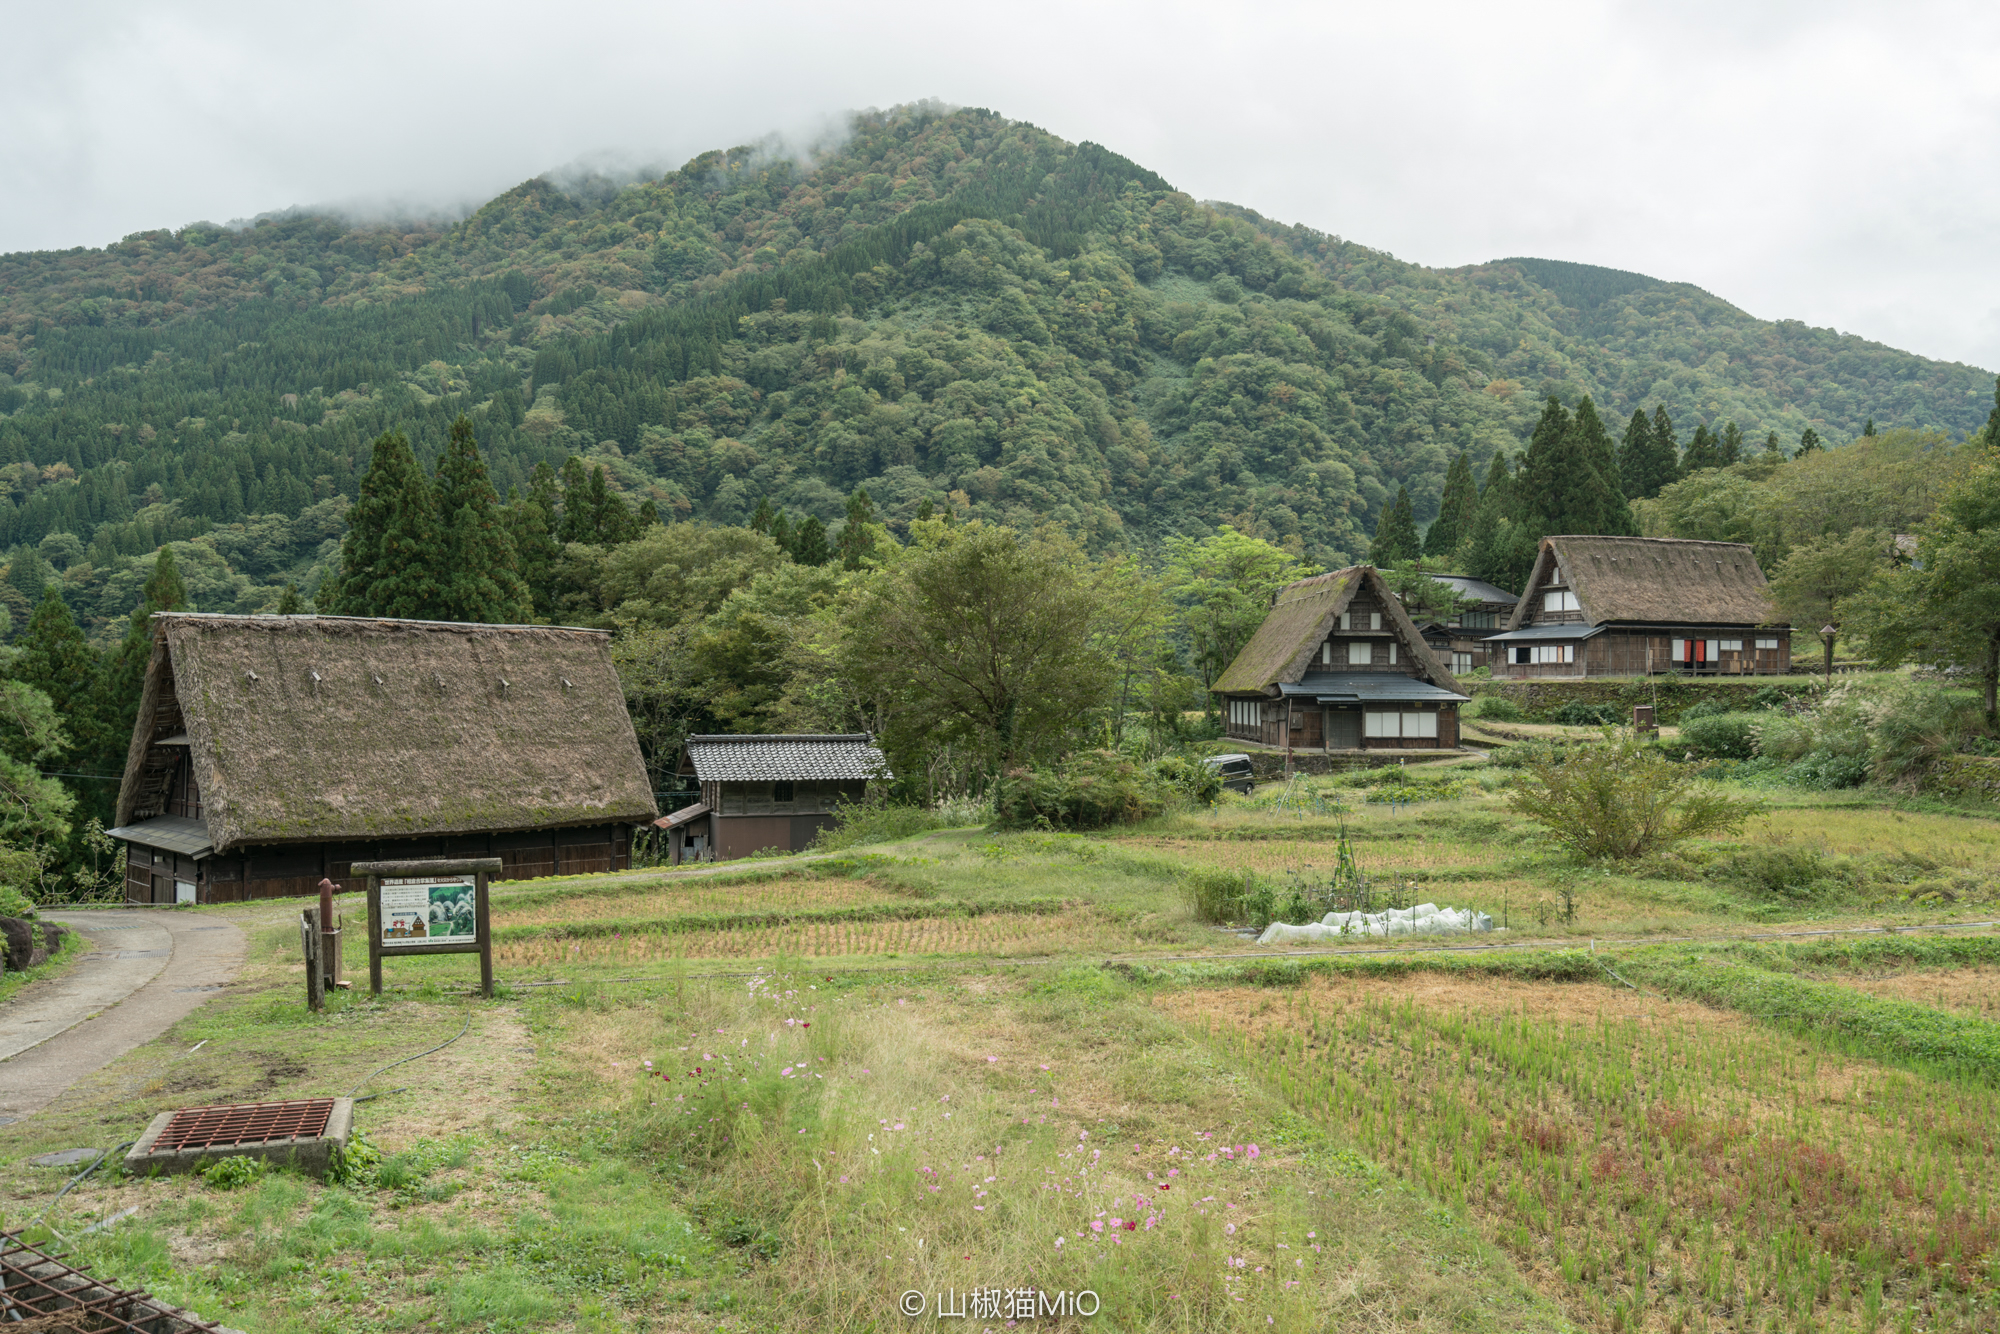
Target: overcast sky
pixel 1829 162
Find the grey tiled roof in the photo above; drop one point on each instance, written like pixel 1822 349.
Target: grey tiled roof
pixel 1467 586
pixel 169 833
pixel 761 759
pixel 1368 688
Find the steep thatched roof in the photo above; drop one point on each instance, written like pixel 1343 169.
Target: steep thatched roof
pixel 314 728
pixel 1302 615
pixel 1653 580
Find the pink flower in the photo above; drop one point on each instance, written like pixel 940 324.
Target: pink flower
pixel 843 1181
pixel 1059 1242
pixel 992 1060
pixel 786 1071
pixel 1230 1228
pixel 1096 1225
pixel 1254 1151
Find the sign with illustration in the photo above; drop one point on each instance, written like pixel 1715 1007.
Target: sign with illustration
pixel 434 910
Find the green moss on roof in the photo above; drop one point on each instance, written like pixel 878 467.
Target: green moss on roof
pixel 1300 617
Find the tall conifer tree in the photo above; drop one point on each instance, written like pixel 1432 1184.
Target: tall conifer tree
pixel 1457 508
pixel 857 534
pixel 1395 533
pixel 1635 456
pixel 478 574
pixel 1666 451
pixel 124 672
pixel 53 656
pixel 1808 443
pixel 1729 449
pixel 809 542
pixel 1993 418
pixel 387 559
pixel 1701 452
pixel 1599 495
pixel 1547 468
pixel 1772 449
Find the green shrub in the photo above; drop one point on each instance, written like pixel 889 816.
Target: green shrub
pixel 1091 789
pixel 858 822
pixel 1791 871
pixel 233 1171
pixel 1621 800
pixel 1191 778
pixel 1576 713
pixel 1497 707
pixel 1708 708
pixel 1771 697
pixel 1721 736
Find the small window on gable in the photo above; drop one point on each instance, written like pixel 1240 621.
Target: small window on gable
pixel 1559 600
pixel 1347 620
pixel 781 792
pixel 1392 655
pixel 1360 653
pixel 1374 620
pixel 1326 653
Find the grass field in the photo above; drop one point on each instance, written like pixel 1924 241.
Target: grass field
pixel 971 1062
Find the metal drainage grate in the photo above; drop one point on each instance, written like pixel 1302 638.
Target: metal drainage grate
pixel 41 1292
pixel 244 1123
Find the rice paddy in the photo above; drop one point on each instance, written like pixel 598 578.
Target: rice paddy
pixel 998 934
pixel 1651 1163
pixel 689 896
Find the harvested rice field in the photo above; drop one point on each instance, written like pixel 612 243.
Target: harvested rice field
pixel 1651 1164
pixel 1974 991
pixel 684 897
pixel 1001 935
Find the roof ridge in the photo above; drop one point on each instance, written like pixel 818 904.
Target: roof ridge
pixel 718 738
pixel 261 619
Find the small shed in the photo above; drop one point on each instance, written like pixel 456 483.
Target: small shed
pixel 767 791
pixel 271 751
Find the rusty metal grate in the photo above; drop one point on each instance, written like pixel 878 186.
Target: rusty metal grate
pixel 42 1293
pixel 244 1123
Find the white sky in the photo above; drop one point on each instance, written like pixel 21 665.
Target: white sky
pixel 1832 162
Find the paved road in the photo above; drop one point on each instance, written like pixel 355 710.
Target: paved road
pixel 149 969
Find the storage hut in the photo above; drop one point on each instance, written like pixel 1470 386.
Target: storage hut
pixel 767 791
pixel 1339 665
pixel 271 751
pixel 1636 606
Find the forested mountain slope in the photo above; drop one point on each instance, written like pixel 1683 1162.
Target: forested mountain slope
pixel 948 306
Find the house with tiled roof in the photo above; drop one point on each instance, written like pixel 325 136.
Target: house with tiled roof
pixel 1638 606
pixel 767 791
pixel 1339 665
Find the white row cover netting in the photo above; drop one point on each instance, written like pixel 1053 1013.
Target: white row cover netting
pixel 1426 919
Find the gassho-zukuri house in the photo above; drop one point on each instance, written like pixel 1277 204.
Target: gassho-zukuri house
pixel 271 751
pixel 1639 606
pixel 1339 665
pixel 769 790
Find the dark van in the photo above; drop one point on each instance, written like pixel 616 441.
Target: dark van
pixel 1235 770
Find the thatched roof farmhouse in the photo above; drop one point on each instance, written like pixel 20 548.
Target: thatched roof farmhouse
pixel 1626 606
pixel 273 750
pixel 1339 665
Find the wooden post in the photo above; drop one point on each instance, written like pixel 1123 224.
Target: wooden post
pixel 310 943
pixel 485 935
pixel 374 887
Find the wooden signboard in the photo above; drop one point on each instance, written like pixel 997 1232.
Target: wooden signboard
pixel 428 907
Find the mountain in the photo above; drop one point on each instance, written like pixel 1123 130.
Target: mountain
pixel 948 307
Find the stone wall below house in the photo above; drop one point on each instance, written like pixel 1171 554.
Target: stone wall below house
pixel 1540 699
